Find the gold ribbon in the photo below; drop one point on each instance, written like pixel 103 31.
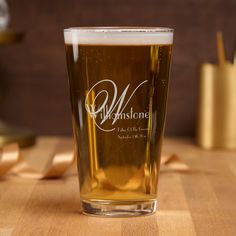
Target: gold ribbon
pixel 173 162
pixel 8 158
pixel 12 162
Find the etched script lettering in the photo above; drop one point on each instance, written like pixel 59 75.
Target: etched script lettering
pixel 115 109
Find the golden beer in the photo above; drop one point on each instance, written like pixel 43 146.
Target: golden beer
pixel 118 88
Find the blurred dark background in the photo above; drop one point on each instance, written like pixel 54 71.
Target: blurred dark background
pixel 33 76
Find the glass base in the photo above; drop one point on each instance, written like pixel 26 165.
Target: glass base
pixel 120 209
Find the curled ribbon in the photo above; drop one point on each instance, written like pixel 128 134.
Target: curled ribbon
pixel 12 162
pixel 173 162
pixel 8 158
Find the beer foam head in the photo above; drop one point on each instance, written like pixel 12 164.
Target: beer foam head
pixel 118 36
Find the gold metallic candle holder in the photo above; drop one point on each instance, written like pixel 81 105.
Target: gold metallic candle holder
pixel 216 126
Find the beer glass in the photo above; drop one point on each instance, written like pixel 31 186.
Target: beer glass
pixel 118 80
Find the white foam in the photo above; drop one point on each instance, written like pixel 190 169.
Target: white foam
pixel 118 36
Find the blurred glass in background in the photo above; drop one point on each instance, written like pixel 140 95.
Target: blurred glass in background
pixel 4 15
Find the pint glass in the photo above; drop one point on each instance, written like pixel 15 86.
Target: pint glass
pixel 118 80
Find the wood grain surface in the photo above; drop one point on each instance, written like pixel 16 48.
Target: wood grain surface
pixel 33 76
pixel 201 202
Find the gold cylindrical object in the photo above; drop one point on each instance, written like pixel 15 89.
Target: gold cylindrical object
pixel 216 126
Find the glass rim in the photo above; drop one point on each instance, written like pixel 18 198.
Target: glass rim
pixel 119 29
pixel 119 35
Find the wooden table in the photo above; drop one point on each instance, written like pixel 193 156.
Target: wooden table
pixel 201 202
